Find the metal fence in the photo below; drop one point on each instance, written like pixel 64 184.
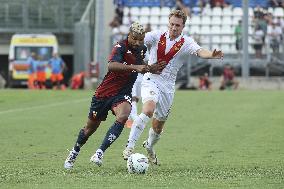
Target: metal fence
pixel 40 15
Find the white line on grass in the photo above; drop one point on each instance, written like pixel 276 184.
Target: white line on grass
pixel 42 106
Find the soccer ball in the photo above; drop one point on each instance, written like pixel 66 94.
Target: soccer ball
pixel 137 163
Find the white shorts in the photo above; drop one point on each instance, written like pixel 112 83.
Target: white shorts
pixel 164 101
pixel 136 89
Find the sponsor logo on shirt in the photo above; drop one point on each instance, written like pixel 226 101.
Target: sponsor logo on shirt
pixel 117 45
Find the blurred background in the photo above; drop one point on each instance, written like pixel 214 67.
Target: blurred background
pixel 249 32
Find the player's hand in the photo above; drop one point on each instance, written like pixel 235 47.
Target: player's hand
pixel 217 54
pixel 142 68
pixel 157 68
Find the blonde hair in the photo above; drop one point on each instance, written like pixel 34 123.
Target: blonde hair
pixel 136 28
pixel 178 14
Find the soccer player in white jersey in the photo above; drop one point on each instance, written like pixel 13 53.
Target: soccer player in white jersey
pixel 158 89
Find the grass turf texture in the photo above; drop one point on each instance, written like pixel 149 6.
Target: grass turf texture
pixel 229 139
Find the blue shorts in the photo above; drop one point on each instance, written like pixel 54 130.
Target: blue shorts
pixel 100 106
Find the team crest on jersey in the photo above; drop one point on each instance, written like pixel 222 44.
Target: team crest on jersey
pixel 162 43
pixel 94 114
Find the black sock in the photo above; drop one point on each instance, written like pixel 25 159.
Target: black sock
pixel 112 134
pixel 81 140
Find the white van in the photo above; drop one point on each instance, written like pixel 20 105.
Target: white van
pixel 21 47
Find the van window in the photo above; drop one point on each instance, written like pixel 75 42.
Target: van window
pixel 22 53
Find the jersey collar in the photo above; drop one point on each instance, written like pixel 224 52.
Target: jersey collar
pixel 176 39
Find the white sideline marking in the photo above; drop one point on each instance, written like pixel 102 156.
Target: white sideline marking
pixel 42 106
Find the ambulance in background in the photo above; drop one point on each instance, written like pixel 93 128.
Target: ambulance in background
pixel 21 47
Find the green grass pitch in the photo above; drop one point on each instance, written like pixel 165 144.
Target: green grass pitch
pixel 229 139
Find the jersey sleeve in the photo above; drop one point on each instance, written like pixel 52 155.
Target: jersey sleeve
pixel 151 37
pixel 192 47
pixel 117 53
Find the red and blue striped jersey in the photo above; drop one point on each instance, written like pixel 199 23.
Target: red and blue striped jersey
pixel 115 83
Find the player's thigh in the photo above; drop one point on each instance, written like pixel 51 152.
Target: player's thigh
pixel 121 106
pixel 122 110
pixel 92 125
pixel 149 91
pixel 163 106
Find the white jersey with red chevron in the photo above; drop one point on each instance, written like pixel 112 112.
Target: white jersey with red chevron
pixel 175 52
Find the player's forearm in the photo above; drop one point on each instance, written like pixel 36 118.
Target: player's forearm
pixel 204 53
pixel 119 67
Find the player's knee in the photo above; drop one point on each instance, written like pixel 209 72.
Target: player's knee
pixel 91 127
pixel 88 131
pixel 148 112
pixel 149 108
pixel 122 118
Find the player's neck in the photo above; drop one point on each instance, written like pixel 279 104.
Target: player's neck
pixel 174 37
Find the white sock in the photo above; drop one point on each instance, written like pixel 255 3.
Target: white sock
pixel 137 129
pixel 133 113
pixel 153 137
